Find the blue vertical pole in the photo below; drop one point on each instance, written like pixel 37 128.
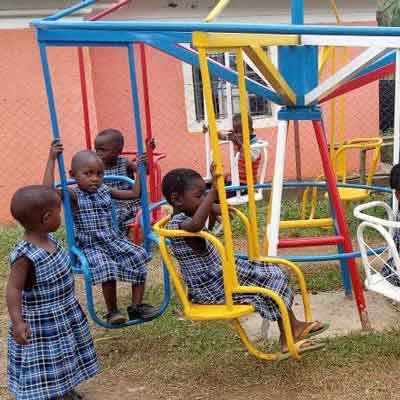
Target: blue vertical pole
pixel 144 198
pixel 56 135
pixel 298 12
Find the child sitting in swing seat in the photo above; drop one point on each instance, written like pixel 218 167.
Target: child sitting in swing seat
pixel 111 256
pixel 200 262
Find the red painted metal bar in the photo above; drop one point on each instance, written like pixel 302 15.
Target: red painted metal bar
pixel 310 241
pixel 154 196
pixel 361 81
pixel 341 221
pixel 85 100
pixel 82 74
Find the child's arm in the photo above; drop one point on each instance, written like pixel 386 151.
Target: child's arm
pixel 197 222
pixel 134 193
pixel 56 148
pixel 16 283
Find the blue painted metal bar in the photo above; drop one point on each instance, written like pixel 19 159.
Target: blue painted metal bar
pixel 90 298
pixel 86 38
pixel 288 29
pixel 144 198
pixel 56 135
pixel 382 62
pixel 191 57
pixel 298 12
pixel 70 10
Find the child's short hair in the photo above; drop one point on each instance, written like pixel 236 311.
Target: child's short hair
pixel 115 136
pixel 29 203
pixel 238 117
pixel 395 177
pixel 81 158
pixel 177 181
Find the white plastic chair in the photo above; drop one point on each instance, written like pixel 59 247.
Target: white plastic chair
pixel 373 263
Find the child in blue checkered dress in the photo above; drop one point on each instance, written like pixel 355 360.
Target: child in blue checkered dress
pixel 200 261
pixel 109 145
pixel 50 348
pixel 389 270
pixel 110 255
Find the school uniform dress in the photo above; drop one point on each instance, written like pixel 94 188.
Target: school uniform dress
pixel 60 352
pixel 387 271
pixel 111 257
pixel 126 209
pixel 203 276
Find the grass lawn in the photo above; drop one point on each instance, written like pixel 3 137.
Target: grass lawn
pixel 172 358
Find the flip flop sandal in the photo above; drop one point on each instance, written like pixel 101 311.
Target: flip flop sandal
pixel 303 346
pixel 309 332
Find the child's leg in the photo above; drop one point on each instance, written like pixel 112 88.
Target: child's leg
pixel 110 297
pixel 300 329
pixel 138 310
pixel 137 294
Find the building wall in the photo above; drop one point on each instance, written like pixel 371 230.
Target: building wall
pixel 25 133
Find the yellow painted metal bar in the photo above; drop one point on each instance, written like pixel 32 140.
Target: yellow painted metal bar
pixel 245 221
pixel 217 10
pixel 324 56
pixel 271 73
pixel 249 346
pixel 287 328
pixel 332 106
pixel 229 40
pixel 247 151
pixel 300 278
pixel 162 232
pixel 335 11
pixel 229 271
pixel 342 106
pixel 306 223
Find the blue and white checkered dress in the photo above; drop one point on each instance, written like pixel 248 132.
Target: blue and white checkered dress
pixel 388 271
pixel 202 274
pixel 126 209
pixel 60 353
pixel 111 257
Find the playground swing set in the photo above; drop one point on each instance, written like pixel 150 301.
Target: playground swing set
pixel 299 94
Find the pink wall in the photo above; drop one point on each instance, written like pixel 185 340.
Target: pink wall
pixel 24 120
pixel 25 133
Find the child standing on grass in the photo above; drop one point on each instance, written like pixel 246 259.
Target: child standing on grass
pixel 111 257
pixel 109 144
pixel 200 262
pixel 50 348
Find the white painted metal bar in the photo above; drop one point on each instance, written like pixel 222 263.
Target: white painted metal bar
pixel 351 41
pixel 277 185
pixel 344 74
pixel 396 133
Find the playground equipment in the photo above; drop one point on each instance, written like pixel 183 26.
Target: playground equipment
pixel 298 92
pixel 230 311
pixel 80 266
pixel 154 158
pixel 375 262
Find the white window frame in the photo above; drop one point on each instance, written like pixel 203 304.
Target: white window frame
pixel 195 126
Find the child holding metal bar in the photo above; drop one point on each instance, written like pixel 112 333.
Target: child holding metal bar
pixel 201 265
pixel 109 145
pixel 236 137
pixel 389 270
pixel 111 257
pixel 50 348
